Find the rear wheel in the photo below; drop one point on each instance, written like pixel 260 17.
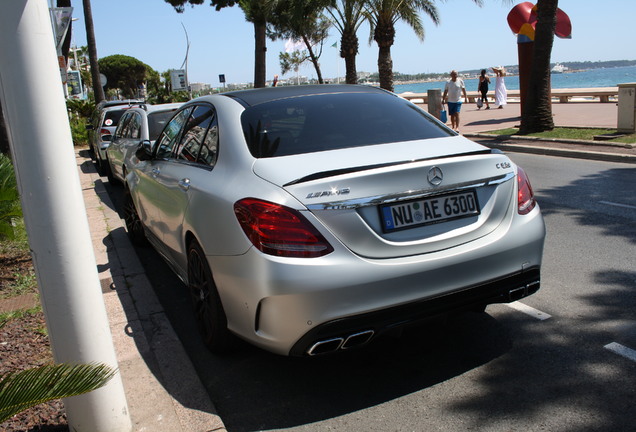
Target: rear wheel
pixel 133 223
pixel 208 309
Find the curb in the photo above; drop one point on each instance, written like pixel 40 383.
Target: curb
pixel 534 147
pixel 163 390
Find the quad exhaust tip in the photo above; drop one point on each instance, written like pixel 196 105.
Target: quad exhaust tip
pixel 334 344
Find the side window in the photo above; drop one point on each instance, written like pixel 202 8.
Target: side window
pixel 134 128
pixel 194 133
pixel 207 155
pixel 122 126
pixel 170 134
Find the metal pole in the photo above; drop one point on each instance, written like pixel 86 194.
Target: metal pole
pixel 54 211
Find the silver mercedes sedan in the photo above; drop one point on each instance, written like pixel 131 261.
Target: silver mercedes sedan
pixel 313 219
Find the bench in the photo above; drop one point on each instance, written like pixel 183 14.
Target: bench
pixel 563 95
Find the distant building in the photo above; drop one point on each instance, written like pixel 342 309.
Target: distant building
pixel 199 87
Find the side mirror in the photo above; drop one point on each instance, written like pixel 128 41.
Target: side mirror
pixel 144 151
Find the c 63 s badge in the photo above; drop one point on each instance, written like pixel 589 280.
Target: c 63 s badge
pixel 332 192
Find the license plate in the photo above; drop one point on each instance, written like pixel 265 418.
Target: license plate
pixel 428 211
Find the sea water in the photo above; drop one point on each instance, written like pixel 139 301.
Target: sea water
pixel 601 77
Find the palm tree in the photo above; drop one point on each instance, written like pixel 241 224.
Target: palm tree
pixel 537 110
pixel 92 51
pixel 382 16
pixel 24 389
pixel 347 16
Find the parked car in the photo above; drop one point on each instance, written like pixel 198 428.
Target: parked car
pixel 135 126
pixel 102 124
pixel 312 219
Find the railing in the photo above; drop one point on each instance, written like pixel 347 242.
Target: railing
pixel 603 94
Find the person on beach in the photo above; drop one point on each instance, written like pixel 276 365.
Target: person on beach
pixel 501 94
pixel 484 81
pixel 452 95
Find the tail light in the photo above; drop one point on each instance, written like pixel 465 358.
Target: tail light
pixel 278 230
pixel 104 132
pixel 525 197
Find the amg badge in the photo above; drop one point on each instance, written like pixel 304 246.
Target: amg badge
pixel 332 192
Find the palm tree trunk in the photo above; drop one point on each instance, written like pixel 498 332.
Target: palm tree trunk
pixel 92 51
pixel 537 112
pixel 260 49
pixel 348 51
pixel 384 35
pixel 385 68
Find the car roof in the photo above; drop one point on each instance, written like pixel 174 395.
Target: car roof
pixel 156 108
pixel 122 107
pixel 106 104
pixel 257 96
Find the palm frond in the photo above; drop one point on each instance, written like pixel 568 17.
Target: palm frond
pixel 31 387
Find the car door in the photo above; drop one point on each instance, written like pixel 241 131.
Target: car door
pixel 191 162
pixel 115 150
pixel 148 183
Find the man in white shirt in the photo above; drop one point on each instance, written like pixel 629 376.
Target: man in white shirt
pixel 452 95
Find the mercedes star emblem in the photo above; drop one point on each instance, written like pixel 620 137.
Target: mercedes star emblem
pixel 435 176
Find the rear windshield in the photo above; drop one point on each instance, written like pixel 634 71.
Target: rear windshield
pixel 156 122
pixel 334 121
pixel 111 118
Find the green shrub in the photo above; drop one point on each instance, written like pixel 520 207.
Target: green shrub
pixel 10 209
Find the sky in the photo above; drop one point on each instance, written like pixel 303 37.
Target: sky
pixel 468 37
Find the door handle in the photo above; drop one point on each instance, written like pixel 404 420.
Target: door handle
pixel 184 184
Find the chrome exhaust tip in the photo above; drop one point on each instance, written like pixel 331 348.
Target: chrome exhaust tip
pixel 326 346
pixel 357 339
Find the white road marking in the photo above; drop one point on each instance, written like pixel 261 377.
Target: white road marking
pixel 529 310
pixel 618 204
pixel 622 350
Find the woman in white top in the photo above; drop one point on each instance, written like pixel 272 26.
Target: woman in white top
pixel 501 94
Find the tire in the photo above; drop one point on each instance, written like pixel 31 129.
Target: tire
pixel 133 224
pixel 208 309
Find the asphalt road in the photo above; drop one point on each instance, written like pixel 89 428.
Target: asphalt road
pixel 551 363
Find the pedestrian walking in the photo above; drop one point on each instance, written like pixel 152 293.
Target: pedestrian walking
pixel 482 88
pixel 501 94
pixel 453 91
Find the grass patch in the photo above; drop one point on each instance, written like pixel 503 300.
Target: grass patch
pixel 572 133
pixel 6 317
pixel 23 284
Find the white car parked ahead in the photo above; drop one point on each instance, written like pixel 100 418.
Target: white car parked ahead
pixel 135 126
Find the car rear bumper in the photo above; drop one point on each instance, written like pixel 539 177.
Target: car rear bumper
pixel 350 332
pixel 287 305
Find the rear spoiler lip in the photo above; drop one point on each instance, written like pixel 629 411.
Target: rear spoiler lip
pixel 332 173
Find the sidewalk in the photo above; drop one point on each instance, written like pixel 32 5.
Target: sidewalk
pixel 475 124
pixel 162 388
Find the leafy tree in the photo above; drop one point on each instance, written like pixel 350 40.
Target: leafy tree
pixel 537 111
pixel 126 74
pixel 292 61
pixel 303 20
pixel 382 16
pixel 92 51
pixel 347 16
